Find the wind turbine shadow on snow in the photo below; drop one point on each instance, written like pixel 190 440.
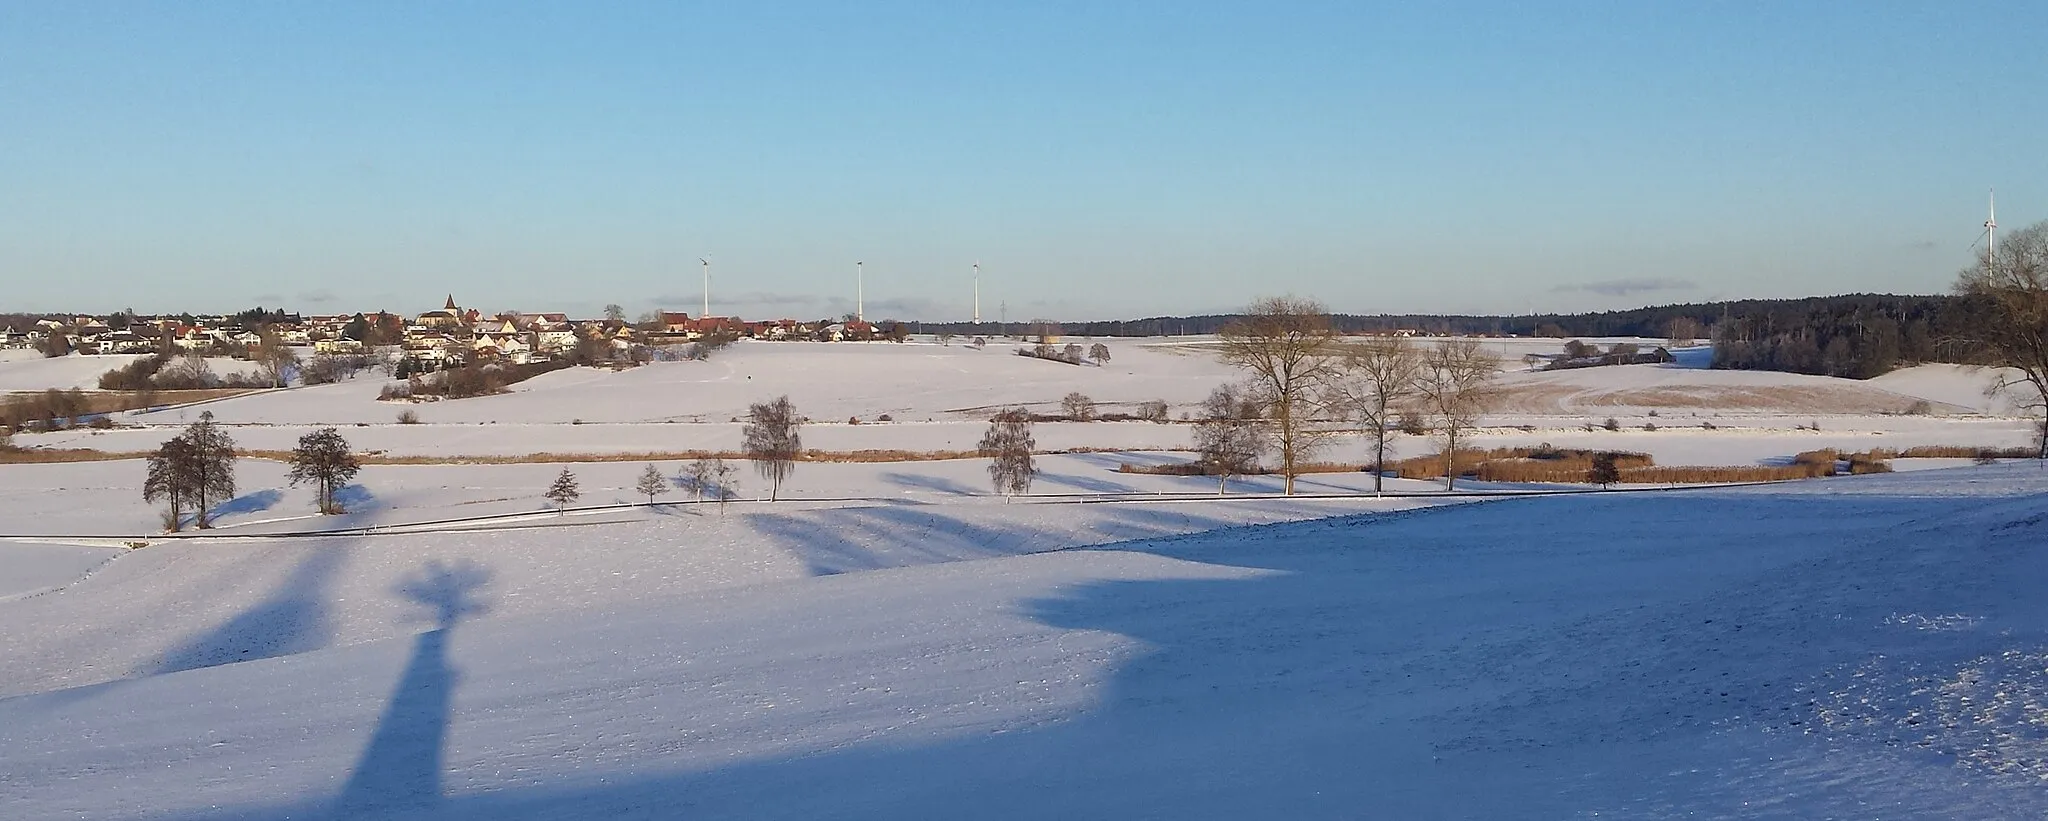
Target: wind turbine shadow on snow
pixel 401 768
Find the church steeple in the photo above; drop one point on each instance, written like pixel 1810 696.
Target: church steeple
pixel 451 303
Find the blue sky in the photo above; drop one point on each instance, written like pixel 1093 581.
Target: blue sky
pixel 1100 160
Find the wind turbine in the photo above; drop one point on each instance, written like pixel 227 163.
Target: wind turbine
pixel 1991 231
pixel 707 288
pixel 860 291
pixel 977 292
pixel 1990 235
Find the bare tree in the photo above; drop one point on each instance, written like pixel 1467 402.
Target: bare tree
pixel 710 475
pixel 1377 381
pixel 564 491
pixel 2008 292
pixel 212 471
pixel 614 313
pixel 1682 332
pixel 1008 445
pixel 323 459
pixel 1604 470
pixel 1455 384
pixel 196 467
pixel 1099 352
pixel 187 372
pixel 1043 330
pixel 1287 345
pixel 772 441
pixel 1230 435
pixel 168 478
pixel 652 483
pixel 54 344
pixel 1078 407
pixel 276 357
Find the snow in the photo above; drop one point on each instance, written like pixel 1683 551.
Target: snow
pixel 1634 388
pixel 30 371
pixel 104 499
pixel 892 640
pixel 34 568
pixel 1870 647
pixel 939 398
pixel 1960 385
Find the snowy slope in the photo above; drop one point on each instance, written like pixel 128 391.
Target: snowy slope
pixel 923 381
pixel 1960 385
pixel 105 498
pixel 135 615
pixel 1629 388
pixel 1873 648
pixel 27 569
pixel 826 381
pixel 30 371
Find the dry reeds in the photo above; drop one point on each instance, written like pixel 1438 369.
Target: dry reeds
pixel 1570 466
pixel 1537 464
pixel 1168 469
pixel 51 456
pixel 1714 475
pixel 1199 469
pixel 1964 452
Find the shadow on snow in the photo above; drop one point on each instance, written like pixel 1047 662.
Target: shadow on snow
pixel 294 619
pixel 400 770
pixel 1435 664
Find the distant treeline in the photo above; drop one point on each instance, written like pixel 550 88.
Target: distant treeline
pixel 1854 335
pixel 1657 322
pixel 1857 336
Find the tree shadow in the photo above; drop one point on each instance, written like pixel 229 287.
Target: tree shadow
pixel 354 498
pixel 248 503
pixel 844 540
pixel 1454 663
pixel 1115 460
pixel 1318 687
pixel 1140 522
pixel 295 619
pixel 1089 484
pixel 935 484
pixel 400 769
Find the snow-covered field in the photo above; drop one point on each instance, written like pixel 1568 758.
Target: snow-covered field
pixel 104 499
pixel 891 640
pixel 939 396
pixel 1867 647
pixel 30 371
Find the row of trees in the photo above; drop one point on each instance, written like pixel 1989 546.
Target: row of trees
pixel 1302 377
pixel 195 471
pixel 709 476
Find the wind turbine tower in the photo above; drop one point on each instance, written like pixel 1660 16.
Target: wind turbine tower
pixel 707 288
pixel 977 292
pixel 1991 233
pixel 860 291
